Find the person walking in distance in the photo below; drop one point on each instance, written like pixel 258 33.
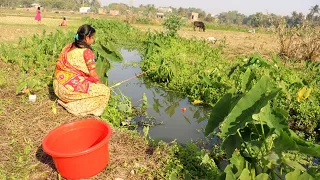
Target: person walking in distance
pixel 38 16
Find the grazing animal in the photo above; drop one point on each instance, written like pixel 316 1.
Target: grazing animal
pixel 199 24
pixel 213 40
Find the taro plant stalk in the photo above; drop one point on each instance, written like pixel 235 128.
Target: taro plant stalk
pixel 256 135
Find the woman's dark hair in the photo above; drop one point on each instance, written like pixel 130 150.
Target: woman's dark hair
pixel 39 8
pixel 64 18
pixel 83 31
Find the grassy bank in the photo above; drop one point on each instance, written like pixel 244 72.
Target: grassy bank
pixel 201 72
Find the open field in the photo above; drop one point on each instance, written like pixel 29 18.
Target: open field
pixel 236 43
pixel 25 27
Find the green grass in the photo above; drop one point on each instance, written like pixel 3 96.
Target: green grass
pixel 221 27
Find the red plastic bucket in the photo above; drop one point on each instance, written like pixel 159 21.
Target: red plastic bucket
pixel 79 149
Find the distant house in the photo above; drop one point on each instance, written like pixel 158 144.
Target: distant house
pixel 35 5
pixel 160 15
pixel 140 13
pixel 102 11
pixel 165 9
pixel 84 9
pixel 194 16
pixel 114 12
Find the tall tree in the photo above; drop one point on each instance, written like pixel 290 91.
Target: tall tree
pixel 181 11
pixel 313 10
pixel 231 17
pixel 209 18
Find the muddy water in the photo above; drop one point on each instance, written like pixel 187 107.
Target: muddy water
pixel 167 107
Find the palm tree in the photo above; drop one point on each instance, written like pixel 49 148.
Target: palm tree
pixel 313 10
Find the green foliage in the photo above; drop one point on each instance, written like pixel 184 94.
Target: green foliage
pixel 249 104
pixel 257 134
pixel 118 111
pixel 119 33
pixel 36 57
pixel 172 24
pixel 105 54
pixel 112 114
pixel 231 17
pixel 303 114
pixel 189 162
pixel 199 71
pixel 185 65
pixel 145 103
pixel 141 20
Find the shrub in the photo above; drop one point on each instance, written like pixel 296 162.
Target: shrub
pixel 172 24
pixel 300 42
pixel 141 20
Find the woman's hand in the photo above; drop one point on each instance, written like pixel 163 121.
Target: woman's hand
pixel 94 76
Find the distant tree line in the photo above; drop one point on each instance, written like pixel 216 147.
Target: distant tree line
pixel 52 4
pixel 258 19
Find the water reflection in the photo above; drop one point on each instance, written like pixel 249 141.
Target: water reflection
pixel 181 120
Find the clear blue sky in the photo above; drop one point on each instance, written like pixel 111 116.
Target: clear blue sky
pixel 281 7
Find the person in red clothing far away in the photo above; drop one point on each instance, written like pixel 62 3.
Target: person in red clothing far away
pixel 64 22
pixel 38 16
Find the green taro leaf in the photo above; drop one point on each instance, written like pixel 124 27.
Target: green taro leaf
pixel 238 162
pixel 293 175
pixel 289 141
pixel 293 164
pixel 245 80
pixel 248 105
pixel 274 119
pixel 245 175
pixel 229 173
pixel 262 176
pixel 21 86
pixel 102 67
pixel 305 176
pixel 231 143
pixel 219 112
pixel 285 142
pixel 273 158
pixel 111 55
pixel 305 147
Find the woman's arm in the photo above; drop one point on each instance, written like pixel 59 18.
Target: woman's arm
pixel 91 65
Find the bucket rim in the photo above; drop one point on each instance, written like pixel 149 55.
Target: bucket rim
pixel 52 153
